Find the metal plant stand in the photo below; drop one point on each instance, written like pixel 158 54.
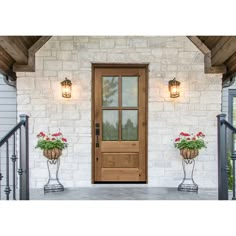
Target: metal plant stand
pixel 53 184
pixel 188 183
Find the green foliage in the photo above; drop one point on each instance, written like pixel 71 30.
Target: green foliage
pixel 188 141
pixel 110 132
pixel 48 141
pixel 129 131
pixel 230 173
pixel 190 144
pixel 47 145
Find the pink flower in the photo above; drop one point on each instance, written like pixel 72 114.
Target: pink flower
pixel 57 134
pixel 41 134
pixel 64 139
pixel 193 138
pixel 53 139
pixel 200 134
pixel 177 139
pixel 47 138
pixel 188 138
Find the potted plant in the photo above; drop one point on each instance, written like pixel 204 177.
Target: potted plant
pixel 51 144
pixel 190 144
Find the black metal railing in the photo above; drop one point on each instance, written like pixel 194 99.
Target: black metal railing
pixel 223 128
pixel 15 162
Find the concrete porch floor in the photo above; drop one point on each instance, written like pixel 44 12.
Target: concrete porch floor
pixel 123 193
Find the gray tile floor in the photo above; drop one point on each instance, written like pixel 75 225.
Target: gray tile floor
pixel 123 193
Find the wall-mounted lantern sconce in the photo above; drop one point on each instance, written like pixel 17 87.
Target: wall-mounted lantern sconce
pixel 174 88
pixel 66 87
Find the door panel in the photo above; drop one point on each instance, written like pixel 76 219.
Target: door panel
pixel 120 124
pixel 120 160
pixel 120 146
pixel 120 174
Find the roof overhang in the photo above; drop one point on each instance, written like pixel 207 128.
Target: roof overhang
pixel 220 54
pixel 17 53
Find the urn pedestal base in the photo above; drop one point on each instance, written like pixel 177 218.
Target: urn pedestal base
pixel 53 184
pixel 188 183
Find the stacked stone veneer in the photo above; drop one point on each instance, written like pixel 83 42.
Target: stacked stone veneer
pixel 39 95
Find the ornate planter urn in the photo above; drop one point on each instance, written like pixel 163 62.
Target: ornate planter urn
pixel 189 153
pixel 53 164
pixel 52 154
pixel 188 163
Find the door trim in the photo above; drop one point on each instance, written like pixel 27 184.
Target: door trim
pixel 117 65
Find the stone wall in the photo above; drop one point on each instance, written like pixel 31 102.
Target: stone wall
pixel 39 95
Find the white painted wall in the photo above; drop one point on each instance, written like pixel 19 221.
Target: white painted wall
pixel 39 95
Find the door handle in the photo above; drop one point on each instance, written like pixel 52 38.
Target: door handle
pixel 97 132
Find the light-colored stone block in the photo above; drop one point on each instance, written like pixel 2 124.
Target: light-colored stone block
pixel 25 83
pixel 66 45
pixel 107 43
pixel 64 55
pixel 52 65
pixel 23 99
pixel 70 65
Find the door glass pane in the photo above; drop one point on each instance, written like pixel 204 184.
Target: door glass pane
pixel 130 91
pixel 109 91
pixel 129 125
pixel 110 125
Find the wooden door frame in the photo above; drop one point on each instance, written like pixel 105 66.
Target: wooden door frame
pixel 118 65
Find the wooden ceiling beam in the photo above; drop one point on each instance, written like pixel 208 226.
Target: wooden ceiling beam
pixel 199 44
pixel 6 64
pixel 223 50
pixel 208 68
pixel 15 47
pixel 30 65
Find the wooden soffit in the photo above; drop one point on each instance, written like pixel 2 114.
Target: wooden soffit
pixel 17 53
pixel 220 54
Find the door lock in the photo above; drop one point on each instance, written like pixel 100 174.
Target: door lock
pixel 97 132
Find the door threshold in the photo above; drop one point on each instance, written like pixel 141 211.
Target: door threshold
pixel 120 182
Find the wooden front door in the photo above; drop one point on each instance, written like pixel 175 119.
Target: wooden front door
pixel 119 124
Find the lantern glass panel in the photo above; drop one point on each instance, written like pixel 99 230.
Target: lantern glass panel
pixel 66 88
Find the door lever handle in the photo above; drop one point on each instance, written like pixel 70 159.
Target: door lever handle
pixel 97 132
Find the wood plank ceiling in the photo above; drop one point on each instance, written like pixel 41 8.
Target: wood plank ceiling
pixel 220 54
pixel 17 53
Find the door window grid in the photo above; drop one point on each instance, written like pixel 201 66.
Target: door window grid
pixel 127 128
